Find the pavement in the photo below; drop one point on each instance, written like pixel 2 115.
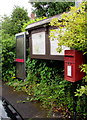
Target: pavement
pixel 28 110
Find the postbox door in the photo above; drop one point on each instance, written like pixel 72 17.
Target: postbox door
pixel 20 55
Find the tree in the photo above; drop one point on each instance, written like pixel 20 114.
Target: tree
pixel 13 24
pixel 7 25
pixel 19 16
pixel 48 9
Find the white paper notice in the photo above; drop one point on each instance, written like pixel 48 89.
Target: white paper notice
pixel 69 70
pixel 54 44
pixel 38 43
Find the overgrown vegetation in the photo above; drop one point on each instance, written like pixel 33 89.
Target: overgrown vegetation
pixel 8 56
pixel 74 26
pixel 75 34
pixel 13 24
pixel 9 27
pixel 48 9
pixel 32 21
pixel 45 83
pixel 44 80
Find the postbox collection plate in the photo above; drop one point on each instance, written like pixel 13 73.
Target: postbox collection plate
pixel 69 70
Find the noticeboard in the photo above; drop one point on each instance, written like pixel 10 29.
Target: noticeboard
pixel 20 55
pixel 43 47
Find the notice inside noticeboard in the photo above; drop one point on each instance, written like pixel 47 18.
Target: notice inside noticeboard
pixel 54 44
pixel 38 43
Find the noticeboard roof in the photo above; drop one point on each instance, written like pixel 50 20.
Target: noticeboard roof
pixel 21 33
pixel 41 23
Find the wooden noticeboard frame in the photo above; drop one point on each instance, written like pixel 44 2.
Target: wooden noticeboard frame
pixel 47 54
pixel 41 31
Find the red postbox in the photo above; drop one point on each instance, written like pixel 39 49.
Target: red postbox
pixel 72 60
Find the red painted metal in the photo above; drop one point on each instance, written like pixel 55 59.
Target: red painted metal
pixel 72 61
pixel 19 60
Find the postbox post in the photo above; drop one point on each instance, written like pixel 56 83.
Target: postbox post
pixel 74 87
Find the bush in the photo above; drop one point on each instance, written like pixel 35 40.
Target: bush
pixel 8 56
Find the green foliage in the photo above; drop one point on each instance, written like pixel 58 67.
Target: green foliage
pixel 32 21
pixel 45 83
pixel 72 32
pixel 75 33
pixel 84 69
pixel 19 16
pixel 45 78
pixel 75 23
pixel 83 89
pixel 13 24
pixel 10 26
pixel 7 25
pixel 48 9
pixel 8 56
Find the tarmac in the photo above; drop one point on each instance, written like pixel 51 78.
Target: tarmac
pixel 28 110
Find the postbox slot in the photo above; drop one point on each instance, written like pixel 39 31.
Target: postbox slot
pixel 68 56
pixel 69 59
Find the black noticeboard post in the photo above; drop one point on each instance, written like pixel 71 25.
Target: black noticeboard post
pixel 74 87
pixel 20 55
